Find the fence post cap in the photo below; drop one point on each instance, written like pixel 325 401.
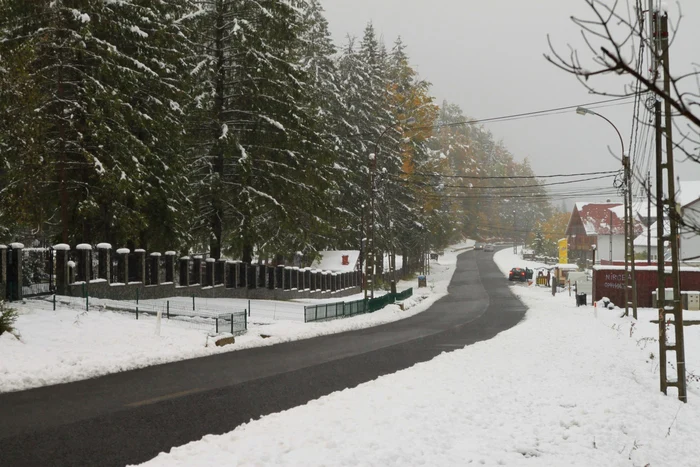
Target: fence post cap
pixel 123 251
pixel 104 246
pixel 155 254
pixel 3 247
pixel 184 258
pixel 16 246
pixel 83 246
pixel 139 250
pixel 211 260
pixel 170 253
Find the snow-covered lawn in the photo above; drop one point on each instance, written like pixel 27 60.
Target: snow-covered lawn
pixel 564 387
pixel 70 344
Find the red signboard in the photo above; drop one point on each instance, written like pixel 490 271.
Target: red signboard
pixel 611 283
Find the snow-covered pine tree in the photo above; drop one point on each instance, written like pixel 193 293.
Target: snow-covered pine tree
pixel 104 109
pixel 257 130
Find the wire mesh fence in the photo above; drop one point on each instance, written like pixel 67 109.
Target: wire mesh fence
pixel 210 320
pixel 326 311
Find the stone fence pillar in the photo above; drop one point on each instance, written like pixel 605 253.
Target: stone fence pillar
pixel 323 281
pixel 154 268
pixel 84 272
pixel 287 278
pixel 185 271
pixel 104 261
pixel 307 279
pixel 220 272
pixel 123 265
pixel 170 266
pixel 231 274
pixel 209 279
pixel 140 257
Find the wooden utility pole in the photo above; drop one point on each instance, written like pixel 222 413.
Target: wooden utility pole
pixel 611 235
pixel 630 274
pixel 648 217
pixel 660 35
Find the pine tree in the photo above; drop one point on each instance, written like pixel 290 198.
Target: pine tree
pixel 105 110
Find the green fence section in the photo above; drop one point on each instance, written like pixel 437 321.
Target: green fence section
pixel 335 310
pixel 404 295
pixel 235 323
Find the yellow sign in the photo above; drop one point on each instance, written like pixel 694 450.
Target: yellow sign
pixel 563 252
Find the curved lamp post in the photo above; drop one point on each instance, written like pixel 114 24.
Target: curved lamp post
pixel 369 261
pixel 631 280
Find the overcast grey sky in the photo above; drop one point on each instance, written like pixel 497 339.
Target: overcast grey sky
pixel 487 56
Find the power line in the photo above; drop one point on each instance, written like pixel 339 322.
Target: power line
pixel 504 177
pixel 522 115
pixel 536 113
pixel 514 187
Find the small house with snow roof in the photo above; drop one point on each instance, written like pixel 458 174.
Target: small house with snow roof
pixel 602 225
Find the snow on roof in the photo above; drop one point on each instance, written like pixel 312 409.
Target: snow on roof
pixel 595 218
pixel 333 260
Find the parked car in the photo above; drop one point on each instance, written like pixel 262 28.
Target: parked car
pixel 478 246
pixel 518 274
pixel 488 247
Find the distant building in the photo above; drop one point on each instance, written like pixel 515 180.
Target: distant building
pixel 688 199
pixel 602 225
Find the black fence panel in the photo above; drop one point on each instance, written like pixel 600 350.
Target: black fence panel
pixel 38 271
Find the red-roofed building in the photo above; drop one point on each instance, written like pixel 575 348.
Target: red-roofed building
pixel 599 224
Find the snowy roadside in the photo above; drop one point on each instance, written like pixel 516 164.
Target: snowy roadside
pixel 561 388
pixel 70 344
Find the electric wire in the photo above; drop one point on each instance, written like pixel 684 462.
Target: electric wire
pixel 508 177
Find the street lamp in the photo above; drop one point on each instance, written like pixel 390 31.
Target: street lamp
pixel 369 262
pixel 629 225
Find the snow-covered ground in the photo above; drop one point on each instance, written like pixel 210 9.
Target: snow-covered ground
pixel 70 344
pixel 564 387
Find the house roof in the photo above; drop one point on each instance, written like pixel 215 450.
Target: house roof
pixel 595 218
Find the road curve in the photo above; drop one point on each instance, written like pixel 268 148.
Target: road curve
pixel 130 417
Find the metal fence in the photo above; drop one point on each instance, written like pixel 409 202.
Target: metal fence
pixel 197 318
pixel 38 268
pixel 335 310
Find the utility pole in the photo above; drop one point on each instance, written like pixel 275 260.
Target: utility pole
pixel 649 217
pixel 630 275
pixel 611 235
pixel 660 36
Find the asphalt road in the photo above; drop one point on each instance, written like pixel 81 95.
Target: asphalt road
pixel 130 417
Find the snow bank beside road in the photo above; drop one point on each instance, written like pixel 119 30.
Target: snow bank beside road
pixel 561 388
pixel 69 344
